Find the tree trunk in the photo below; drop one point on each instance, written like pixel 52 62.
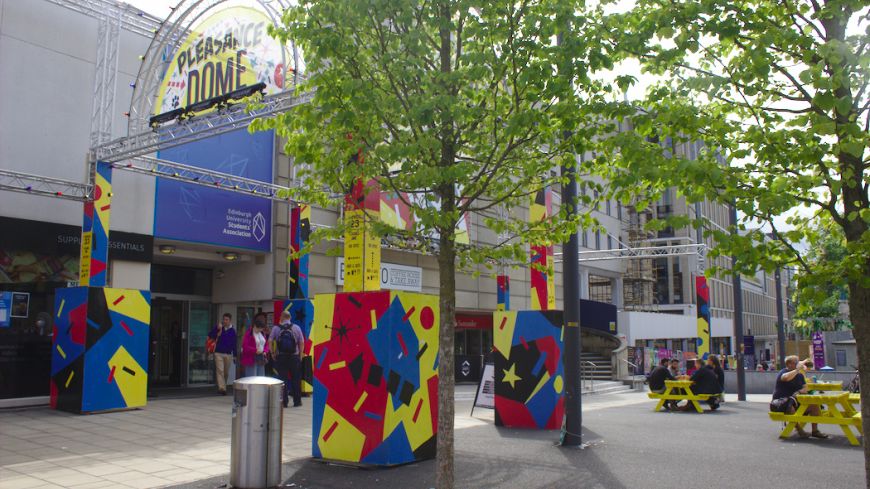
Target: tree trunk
pixel 447 323
pixel 859 313
pixel 854 201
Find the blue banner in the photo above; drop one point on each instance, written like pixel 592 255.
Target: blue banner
pixel 187 212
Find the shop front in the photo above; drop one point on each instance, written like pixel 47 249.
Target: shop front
pixel 473 344
pixel 36 258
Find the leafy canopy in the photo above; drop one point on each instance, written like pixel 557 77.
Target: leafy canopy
pixel 463 107
pixel 778 92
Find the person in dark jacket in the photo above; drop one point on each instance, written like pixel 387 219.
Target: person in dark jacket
pixel 657 380
pixel 225 353
pixel 713 362
pixel 704 381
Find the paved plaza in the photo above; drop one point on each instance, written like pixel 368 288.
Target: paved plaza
pixel 184 442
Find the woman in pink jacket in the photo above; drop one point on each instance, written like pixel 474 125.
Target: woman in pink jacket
pixel 255 348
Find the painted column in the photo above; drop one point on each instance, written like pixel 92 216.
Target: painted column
pixel 362 249
pixel 300 229
pixel 94 258
pixel 504 293
pixel 702 292
pixel 543 287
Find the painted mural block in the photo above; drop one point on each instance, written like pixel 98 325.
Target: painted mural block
pixel 529 375
pixel 99 358
pixel 95 230
pixel 542 282
pixel 302 313
pixel 503 295
pixel 703 294
pixel 375 377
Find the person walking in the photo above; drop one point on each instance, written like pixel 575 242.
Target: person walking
pixel 224 335
pixel 255 348
pixel 288 346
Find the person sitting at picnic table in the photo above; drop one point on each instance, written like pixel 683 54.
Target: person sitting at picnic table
pixel 704 381
pixel 657 380
pixel 675 367
pixel 789 382
pixel 713 362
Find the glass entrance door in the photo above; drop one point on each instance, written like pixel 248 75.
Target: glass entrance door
pixel 199 367
pixel 167 327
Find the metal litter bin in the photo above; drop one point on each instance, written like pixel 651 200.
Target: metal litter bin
pixel 255 448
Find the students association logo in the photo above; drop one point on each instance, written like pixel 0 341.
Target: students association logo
pixel 259 228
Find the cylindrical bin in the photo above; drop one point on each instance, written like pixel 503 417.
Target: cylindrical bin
pixel 255 448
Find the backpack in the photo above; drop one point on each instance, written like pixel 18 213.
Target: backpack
pixel 286 342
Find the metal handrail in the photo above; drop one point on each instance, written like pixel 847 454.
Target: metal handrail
pixel 626 361
pixel 590 376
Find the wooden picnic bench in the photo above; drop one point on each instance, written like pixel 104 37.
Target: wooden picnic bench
pixel 686 395
pixel 836 409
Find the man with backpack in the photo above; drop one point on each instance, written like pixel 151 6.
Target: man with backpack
pixel 288 344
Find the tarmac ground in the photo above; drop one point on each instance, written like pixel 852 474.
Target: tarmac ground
pixel 185 443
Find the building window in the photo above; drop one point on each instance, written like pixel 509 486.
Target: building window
pixel 597 240
pixel 584 238
pixel 841 358
pixel 600 289
pixel 609 242
pixel 607 208
pixel 595 196
pixel 619 210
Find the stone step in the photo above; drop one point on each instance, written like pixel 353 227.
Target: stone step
pixel 604 387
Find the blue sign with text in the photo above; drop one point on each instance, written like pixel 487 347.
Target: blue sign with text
pixel 187 212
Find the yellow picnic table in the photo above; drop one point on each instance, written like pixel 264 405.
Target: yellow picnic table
pixel 825 386
pixel 686 395
pixel 836 409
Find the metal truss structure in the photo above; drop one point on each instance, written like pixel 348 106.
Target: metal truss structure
pixel 228 119
pixel 190 174
pixel 111 18
pixel 70 190
pixel 645 253
pixel 45 186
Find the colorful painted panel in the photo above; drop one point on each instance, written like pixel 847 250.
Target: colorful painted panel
pixel 300 229
pixel 529 375
pixel 302 313
pixel 375 377
pixel 542 282
pixel 100 349
pixel 702 291
pixel 503 298
pixel 95 230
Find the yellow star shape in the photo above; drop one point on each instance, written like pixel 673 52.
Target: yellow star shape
pixel 511 376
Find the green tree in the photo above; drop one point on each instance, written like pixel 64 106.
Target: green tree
pixel 778 90
pixel 818 302
pixel 464 105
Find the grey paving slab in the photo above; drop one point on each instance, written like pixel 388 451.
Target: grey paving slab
pixel 185 443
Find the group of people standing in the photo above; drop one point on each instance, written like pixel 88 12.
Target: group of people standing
pixel 277 350
pixel 708 378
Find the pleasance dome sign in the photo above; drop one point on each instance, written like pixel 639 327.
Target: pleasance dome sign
pixel 227 50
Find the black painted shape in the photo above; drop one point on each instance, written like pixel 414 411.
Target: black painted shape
pixel 356 368
pixel 422 350
pixel 376 372
pixel 393 382
pixel 407 393
pixel 427 449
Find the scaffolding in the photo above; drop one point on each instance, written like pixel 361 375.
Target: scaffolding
pixel 640 275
